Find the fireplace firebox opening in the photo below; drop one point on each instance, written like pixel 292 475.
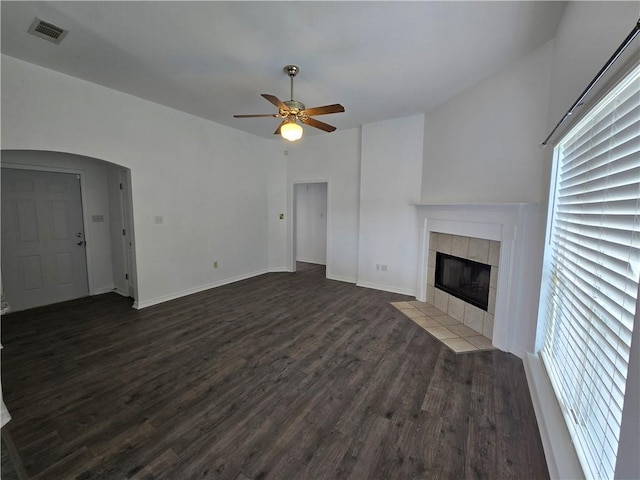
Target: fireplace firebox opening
pixel 462 278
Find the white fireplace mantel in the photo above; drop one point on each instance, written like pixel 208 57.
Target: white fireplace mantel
pixel 503 222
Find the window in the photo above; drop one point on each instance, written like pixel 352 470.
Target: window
pixel 592 270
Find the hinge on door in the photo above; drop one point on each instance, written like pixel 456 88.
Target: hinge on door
pixel 123 232
pixel 121 187
pixel 126 276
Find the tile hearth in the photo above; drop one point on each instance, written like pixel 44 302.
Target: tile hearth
pixel 454 334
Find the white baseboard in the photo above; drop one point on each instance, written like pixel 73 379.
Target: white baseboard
pixel 315 262
pixel 100 291
pixel 518 352
pixel 190 291
pixel 339 278
pixel 387 288
pixel 120 291
pixel 278 269
pixel 562 459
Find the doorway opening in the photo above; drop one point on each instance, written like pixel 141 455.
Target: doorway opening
pixel 309 217
pixel 58 246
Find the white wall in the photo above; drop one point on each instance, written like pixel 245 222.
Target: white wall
pixel 277 206
pixel 483 145
pixel 333 158
pixel 95 197
pixel 206 181
pixel 587 36
pixel 389 187
pixel 311 222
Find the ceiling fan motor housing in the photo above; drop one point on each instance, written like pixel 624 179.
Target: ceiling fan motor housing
pixel 294 106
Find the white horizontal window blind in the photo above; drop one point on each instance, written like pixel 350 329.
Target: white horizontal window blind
pixel 592 272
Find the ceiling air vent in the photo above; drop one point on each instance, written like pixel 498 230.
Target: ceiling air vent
pixel 47 30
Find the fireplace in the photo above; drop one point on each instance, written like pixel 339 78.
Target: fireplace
pixel 464 283
pixel 503 235
pixel 463 278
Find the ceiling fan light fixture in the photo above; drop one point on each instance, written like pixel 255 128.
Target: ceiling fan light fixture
pixel 291 131
pixel 291 110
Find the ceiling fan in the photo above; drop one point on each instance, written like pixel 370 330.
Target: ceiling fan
pixel 291 110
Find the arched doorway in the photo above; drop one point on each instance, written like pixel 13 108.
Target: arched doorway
pixel 106 220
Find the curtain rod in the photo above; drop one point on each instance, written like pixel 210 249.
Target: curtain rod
pixel 627 41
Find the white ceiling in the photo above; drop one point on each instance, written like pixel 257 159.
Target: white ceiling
pixel 380 60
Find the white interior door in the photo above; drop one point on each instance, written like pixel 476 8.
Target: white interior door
pixel 43 243
pixel 127 230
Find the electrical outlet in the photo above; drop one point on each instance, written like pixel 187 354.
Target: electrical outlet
pixel 384 268
pixel 215 264
pixel 377 266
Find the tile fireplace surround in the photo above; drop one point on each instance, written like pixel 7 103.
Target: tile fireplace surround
pixel 469 248
pixel 481 229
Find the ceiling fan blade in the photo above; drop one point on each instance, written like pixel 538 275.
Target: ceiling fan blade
pixel 275 100
pixel 312 122
pixel 277 132
pixel 257 115
pixel 335 108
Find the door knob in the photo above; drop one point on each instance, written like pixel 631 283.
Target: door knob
pixel 80 242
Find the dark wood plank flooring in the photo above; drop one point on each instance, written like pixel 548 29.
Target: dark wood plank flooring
pixel 282 376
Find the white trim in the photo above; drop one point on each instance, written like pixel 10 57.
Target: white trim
pixel 190 291
pixel 121 292
pixel 342 279
pixel 386 288
pixel 315 262
pixel 562 460
pixel 277 269
pixel 102 291
pixel 519 352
